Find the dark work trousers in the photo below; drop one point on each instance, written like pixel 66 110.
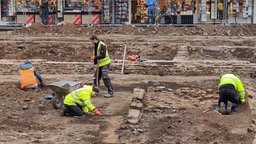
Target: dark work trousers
pixel 45 16
pixel 103 72
pixel 73 110
pixel 151 16
pixel 227 93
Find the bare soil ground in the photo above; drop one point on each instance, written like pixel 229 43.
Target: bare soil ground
pixel 177 109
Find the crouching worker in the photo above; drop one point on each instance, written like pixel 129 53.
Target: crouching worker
pixel 29 77
pixel 78 102
pixel 231 93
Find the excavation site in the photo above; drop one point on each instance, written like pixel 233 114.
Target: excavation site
pixel 168 96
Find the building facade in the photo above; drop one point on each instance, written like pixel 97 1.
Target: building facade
pixel 130 11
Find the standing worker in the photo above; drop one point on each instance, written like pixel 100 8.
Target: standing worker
pixel 29 76
pixel 101 58
pixel 231 92
pixel 45 12
pixel 79 102
pixel 151 5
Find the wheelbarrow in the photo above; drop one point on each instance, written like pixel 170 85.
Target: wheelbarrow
pixel 61 89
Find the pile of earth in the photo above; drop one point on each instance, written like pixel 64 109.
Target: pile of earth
pixel 202 30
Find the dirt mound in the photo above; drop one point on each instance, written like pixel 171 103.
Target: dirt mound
pixel 38 28
pixel 203 30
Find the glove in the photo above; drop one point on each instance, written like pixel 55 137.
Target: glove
pixel 241 101
pixel 43 84
pixel 92 57
pixel 97 112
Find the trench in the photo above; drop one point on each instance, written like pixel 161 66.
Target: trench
pixel 183 112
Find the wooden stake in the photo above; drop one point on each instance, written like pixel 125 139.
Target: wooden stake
pixel 124 59
pixel 97 75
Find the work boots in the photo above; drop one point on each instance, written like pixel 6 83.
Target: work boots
pixel 109 94
pixel 234 107
pixel 108 84
pixel 63 111
pixel 222 109
pixel 79 117
pixel 228 109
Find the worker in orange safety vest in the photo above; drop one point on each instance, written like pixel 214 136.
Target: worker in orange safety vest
pixel 30 78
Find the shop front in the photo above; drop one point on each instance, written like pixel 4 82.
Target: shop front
pixel 7 10
pixel 198 11
pixel 70 11
pixel 126 11
pixel 29 11
pixel 226 11
pixel 181 11
pixel 129 11
pixel 97 12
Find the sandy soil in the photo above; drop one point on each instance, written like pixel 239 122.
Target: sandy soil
pixel 181 112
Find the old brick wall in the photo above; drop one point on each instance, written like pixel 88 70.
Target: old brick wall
pixel 186 68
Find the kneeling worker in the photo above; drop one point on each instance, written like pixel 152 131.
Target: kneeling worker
pixel 79 102
pixel 231 89
pixel 29 76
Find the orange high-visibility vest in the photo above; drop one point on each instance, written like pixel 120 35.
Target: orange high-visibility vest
pixel 27 77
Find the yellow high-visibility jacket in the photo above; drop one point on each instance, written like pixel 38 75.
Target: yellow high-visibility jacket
pixel 236 82
pixel 81 97
pixel 104 61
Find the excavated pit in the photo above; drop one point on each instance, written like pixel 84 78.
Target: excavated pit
pixel 183 112
pixel 177 111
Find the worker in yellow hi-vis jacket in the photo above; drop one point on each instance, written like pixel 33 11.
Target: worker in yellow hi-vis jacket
pixel 79 102
pixel 231 93
pixel 102 59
